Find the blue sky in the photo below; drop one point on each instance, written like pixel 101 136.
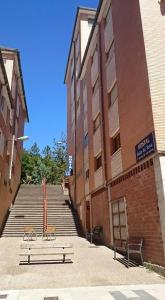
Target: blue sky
pixel 41 30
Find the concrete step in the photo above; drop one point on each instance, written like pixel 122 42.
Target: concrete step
pixel 29 205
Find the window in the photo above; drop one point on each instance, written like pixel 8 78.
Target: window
pixel 95 86
pixel 113 94
pixel 96 122
pixel 98 162
pixel 87 174
pixel 86 140
pixel 110 52
pixel 116 144
pixel 119 220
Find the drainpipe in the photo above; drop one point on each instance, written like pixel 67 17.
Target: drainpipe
pixel 102 108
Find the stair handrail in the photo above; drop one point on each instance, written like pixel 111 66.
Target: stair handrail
pixel 45 214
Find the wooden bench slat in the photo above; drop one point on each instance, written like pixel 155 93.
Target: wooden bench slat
pixel 44 247
pixel 37 254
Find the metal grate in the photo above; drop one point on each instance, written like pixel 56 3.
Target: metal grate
pixel 51 298
pixel 3 296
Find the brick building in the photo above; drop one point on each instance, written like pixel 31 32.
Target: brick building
pixel 116 121
pixel 13 114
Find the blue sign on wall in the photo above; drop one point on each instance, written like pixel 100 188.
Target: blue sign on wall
pixel 145 147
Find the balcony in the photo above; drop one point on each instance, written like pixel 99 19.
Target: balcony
pixel 97 141
pixel 86 187
pixel 113 118
pixel 86 159
pixel 116 163
pixel 95 103
pixel 108 31
pixel 94 68
pixel 78 90
pixel 111 73
pixel 98 178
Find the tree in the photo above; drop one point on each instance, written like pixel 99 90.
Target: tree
pixel 60 156
pixel 35 150
pixel 51 164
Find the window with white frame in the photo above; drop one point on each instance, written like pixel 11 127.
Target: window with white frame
pixel 95 87
pixel 96 122
pixel 98 161
pixel 87 174
pixel 112 95
pixel 86 139
pixel 110 52
pixel 115 143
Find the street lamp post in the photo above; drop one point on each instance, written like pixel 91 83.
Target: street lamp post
pixel 14 139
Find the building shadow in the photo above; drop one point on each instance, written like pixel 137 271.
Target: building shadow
pixel 45 262
pixel 162 7
pixel 124 261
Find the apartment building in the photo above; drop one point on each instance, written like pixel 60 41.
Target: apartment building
pixel 116 121
pixel 13 114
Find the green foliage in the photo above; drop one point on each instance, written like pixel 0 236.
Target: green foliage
pixel 51 164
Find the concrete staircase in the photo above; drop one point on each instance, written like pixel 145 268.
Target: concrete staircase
pixel 28 211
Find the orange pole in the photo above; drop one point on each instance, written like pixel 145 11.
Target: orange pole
pixel 45 218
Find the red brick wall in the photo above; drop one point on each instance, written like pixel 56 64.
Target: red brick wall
pixel 7 189
pixel 100 213
pixel 135 111
pixel 142 212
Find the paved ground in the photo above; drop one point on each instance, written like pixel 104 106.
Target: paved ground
pixel 93 266
pixel 134 292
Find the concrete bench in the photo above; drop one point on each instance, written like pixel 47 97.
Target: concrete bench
pixel 37 250
pixel 130 246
